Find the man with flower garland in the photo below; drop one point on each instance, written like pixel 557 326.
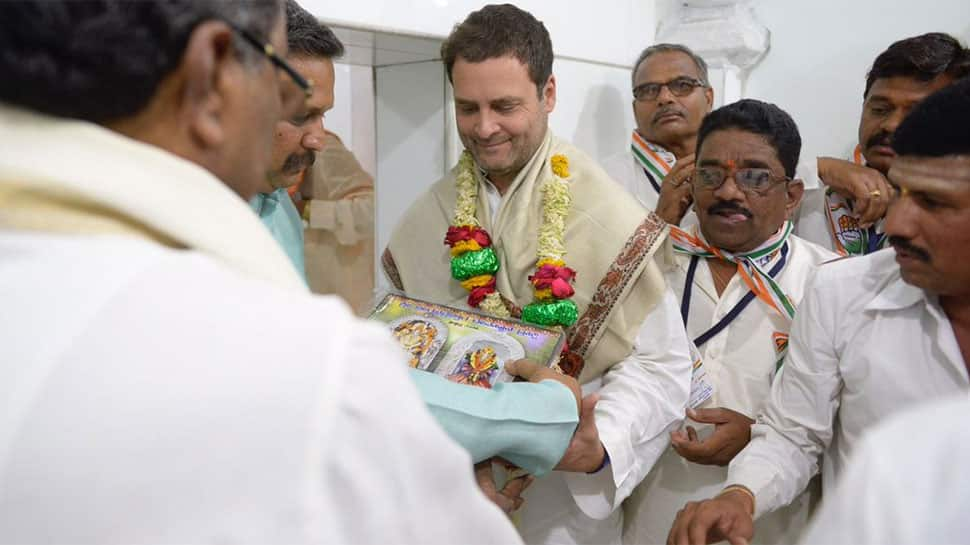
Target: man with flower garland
pixel 671 96
pixel 533 228
pixel 739 275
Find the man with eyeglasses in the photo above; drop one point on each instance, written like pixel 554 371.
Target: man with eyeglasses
pixel 143 401
pixel 671 96
pixel 874 335
pixel 739 276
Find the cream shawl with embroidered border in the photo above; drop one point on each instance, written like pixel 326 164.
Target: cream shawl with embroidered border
pixel 52 179
pixel 610 240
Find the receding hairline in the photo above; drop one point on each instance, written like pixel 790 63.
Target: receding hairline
pixel 657 49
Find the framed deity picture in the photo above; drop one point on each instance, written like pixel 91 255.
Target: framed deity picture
pixel 464 346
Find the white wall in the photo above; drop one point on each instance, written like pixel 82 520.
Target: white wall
pixel 410 138
pixel 593 108
pixel 604 31
pixel 820 53
pixel 352 117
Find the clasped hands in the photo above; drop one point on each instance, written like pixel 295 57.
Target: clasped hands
pixel 585 452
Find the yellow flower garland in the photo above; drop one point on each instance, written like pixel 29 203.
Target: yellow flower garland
pixel 551 248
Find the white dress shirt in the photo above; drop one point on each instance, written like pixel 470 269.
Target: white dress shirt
pixel 908 482
pixel 740 364
pixel 811 220
pixel 642 400
pixel 864 345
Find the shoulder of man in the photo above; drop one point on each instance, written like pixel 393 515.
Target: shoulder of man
pixel 598 195
pixel 858 278
pixel 810 253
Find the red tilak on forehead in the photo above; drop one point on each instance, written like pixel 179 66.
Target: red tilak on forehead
pixel 731 164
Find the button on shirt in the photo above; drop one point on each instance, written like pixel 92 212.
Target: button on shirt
pixel 864 345
pixel 740 362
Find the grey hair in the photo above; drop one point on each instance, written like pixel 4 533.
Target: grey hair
pixel 668 48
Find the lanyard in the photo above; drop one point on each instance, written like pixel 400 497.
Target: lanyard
pixel 734 312
pixel 653 182
pixel 874 239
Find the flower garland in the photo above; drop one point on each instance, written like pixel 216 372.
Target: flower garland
pixel 474 262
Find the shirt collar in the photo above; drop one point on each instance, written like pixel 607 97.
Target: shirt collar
pixel 896 294
pixel 167 194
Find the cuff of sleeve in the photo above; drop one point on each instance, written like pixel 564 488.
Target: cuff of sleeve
pixel 321 215
pixel 757 484
pixel 599 494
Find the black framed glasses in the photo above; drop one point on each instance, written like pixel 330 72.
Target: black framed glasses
pixel 269 51
pixel 749 180
pixel 679 87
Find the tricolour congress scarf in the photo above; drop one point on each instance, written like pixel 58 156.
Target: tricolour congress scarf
pixel 655 161
pixel 848 237
pixel 751 265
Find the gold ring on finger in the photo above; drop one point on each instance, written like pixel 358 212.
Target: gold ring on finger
pixel 875 193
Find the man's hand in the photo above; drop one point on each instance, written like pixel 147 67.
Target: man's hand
pixel 675 191
pixel 732 431
pixel 510 497
pixel 867 187
pixel 585 452
pixel 533 372
pixel 726 517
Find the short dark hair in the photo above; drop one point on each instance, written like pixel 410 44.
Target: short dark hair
pixel 762 118
pixel 500 30
pixel 102 60
pixel 308 37
pixel 671 48
pixel 938 125
pixel 922 57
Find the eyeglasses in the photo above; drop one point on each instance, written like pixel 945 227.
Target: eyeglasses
pixel 749 180
pixel 269 51
pixel 679 87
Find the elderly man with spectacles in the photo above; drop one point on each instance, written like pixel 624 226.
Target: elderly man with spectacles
pixel 671 96
pixel 739 276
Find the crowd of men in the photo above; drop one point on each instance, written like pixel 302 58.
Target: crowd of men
pixel 745 317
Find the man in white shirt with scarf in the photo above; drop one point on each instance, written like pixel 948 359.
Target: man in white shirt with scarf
pixel 739 276
pixel 671 96
pixel 873 335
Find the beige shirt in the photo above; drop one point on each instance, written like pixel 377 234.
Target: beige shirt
pixel 339 239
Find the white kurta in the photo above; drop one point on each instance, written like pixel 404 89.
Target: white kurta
pixel 864 345
pixel 149 397
pixel 642 400
pixel 628 172
pixel 811 220
pixel 740 364
pixel 908 483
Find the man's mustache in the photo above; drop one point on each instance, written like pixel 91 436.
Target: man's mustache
pixel 667 110
pixel 298 161
pixel 881 138
pixel 728 206
pixel 900 243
